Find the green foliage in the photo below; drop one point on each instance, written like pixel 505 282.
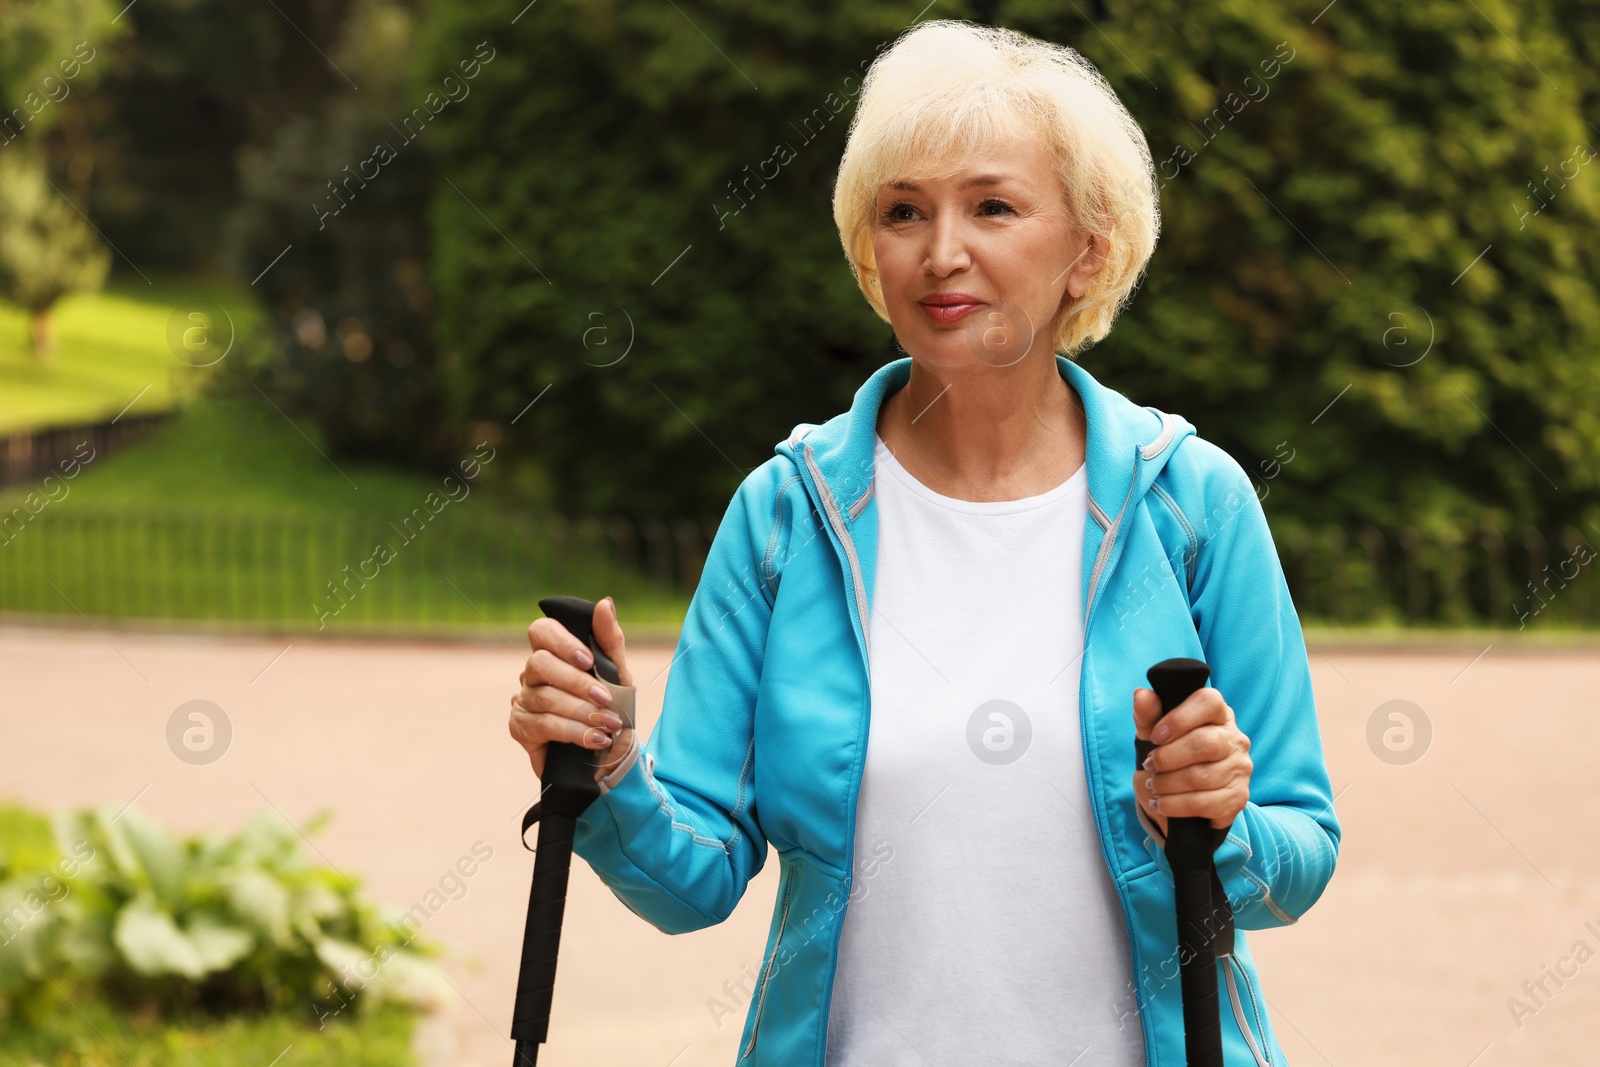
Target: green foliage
pixel 1322 231
pixel 26 843
pixel 47 249
pixel 600 167
pixel 198 927
pixel 46 50
pixel 1345 187
pixel 1322 227
pixel 334 202
pixel 196 82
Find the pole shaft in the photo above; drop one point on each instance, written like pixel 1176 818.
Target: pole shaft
pixel 541 936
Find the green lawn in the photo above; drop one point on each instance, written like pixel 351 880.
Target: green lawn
pixel 111 347
pixel 240 454
pixel 232 515
pixel 89 1034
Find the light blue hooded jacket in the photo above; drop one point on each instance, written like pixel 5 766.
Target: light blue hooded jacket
pixel 763 733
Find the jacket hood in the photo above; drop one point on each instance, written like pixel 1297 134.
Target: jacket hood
pixel 1126 448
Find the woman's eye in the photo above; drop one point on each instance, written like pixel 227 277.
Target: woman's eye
pixel 904 212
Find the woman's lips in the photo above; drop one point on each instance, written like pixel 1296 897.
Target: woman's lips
pixel 946 313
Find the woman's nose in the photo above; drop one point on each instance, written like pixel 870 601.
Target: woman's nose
pixel 947 244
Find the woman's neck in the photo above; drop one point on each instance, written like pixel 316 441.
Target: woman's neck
pixel 983 433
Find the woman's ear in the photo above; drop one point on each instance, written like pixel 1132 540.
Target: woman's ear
pixel 1090 261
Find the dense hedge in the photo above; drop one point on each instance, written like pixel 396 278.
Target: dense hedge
pixel 1327 232
pixel 594 208
pixel 1330 178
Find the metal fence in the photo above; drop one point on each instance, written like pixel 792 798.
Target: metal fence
pixel 317 572
pixel 29 456
pixel 1517 578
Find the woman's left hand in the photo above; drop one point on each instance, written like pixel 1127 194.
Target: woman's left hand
pixel 1200 767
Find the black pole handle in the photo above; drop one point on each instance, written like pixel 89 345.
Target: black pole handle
pixel 1189 850
pixel 568 786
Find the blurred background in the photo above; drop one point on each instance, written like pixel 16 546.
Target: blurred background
pixel 333 336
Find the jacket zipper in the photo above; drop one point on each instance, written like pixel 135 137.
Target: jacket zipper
pixel 1258 1051
pixel 1094 794
pixel 766 975
pixel 1107 547
pixel 837 522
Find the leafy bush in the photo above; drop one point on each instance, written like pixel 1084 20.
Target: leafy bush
pixel 1329 185
pixel 341 194
pixel 612 236
pixel 123 910
pixel 1337 185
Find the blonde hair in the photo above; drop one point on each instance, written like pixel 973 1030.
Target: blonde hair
pixel 948 90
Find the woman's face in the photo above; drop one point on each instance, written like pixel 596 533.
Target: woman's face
pixel 974 267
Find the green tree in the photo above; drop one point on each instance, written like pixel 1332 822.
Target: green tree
pixel 47 249
pixel 1379 196
pixel 638 220
pixel 47 50
pixel 333 226
pixel 1345 188
pixel 197 84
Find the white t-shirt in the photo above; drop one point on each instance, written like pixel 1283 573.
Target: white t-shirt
pixel 982 927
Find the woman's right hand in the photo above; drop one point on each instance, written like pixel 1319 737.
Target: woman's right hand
pixel 561 701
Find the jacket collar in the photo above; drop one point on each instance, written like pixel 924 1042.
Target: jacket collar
pixel 1126 447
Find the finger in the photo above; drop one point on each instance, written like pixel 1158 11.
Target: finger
pixel 1146 710
pixel 1142 796
pixel 1207 743
pixel 608 634
pixel 548 699
pixel 543 668
pixel 1202 776
pixel 550 634
pixel 1204 705
pixel 1219 806
pixel 543 726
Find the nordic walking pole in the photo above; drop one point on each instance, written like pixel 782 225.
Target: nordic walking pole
pixel 1190 854
pixel 569 786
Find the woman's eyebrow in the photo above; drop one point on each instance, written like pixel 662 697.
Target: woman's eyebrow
pixel 979 179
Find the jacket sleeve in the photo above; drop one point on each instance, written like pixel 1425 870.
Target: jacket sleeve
pixel 1280 851
pixel 676 836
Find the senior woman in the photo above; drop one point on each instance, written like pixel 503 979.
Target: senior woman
pixel 914 660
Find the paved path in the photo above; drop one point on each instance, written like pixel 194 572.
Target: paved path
pixel 1462 876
